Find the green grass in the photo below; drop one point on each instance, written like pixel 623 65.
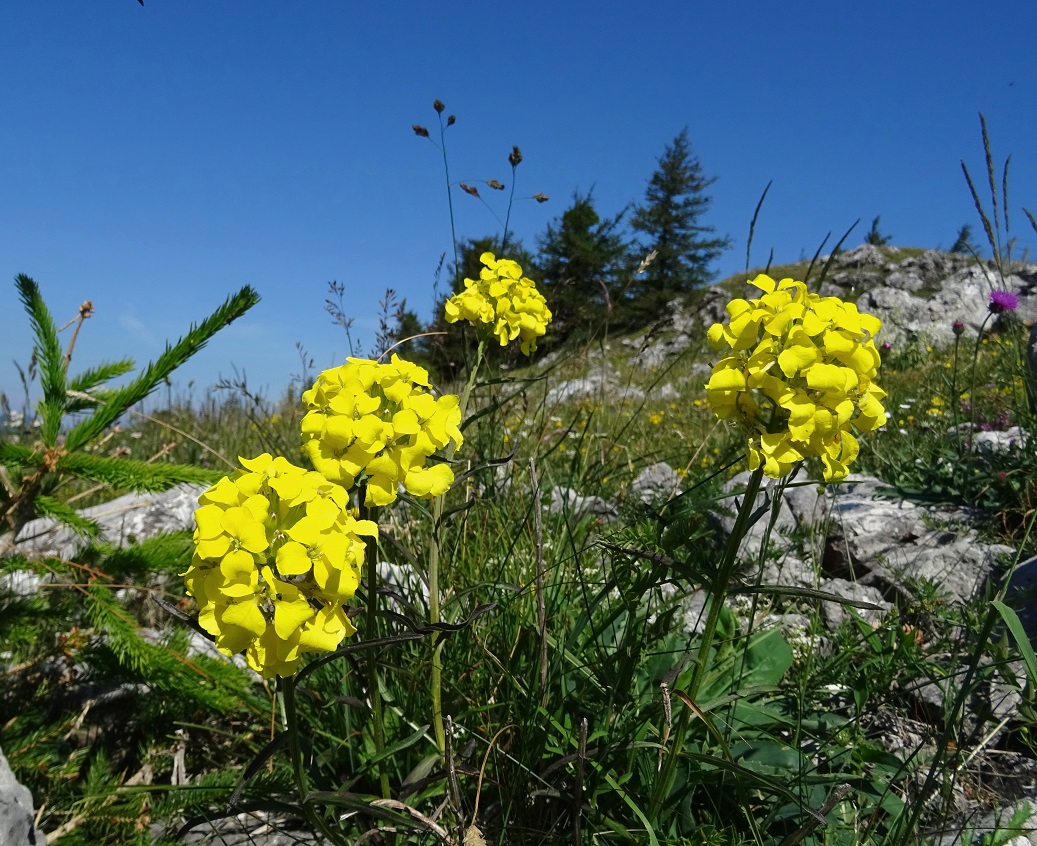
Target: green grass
pixel 561 731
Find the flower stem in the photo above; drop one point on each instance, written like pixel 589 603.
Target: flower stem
pixel 972 390
pixel 449 195
pixel 435 550
pixel 377 714
pixel 955 399
pixel 291 722
pixel 717 595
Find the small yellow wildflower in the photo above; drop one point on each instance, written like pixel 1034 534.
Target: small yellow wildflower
pixel 798 375
pixel 655 418
pixel 504 301
pixel 379 423
pixel 277 552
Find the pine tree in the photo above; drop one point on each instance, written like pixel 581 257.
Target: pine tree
pixel 875 236
pixel 963 243
pixel 670 223
pixel 580 261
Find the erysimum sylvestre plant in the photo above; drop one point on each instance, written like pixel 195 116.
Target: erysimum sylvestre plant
pixel 800 375
pixel 503 300
pixel 380 423
pixel 279 549
pixel 278 552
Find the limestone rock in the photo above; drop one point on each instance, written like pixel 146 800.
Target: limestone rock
pixel 862 534
pixel 655 484
pixel 603 383
pixel 863 256
pixel 834 614
pixel 123 521
pixel 907 540
pixel 16 815
pixel 567 501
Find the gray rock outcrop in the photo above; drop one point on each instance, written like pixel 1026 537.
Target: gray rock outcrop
pixel 655 484
pixel 864 533
pixel 918 298
pixel 602 382
pixel 567 501
pixel 123 521
pixel 16 814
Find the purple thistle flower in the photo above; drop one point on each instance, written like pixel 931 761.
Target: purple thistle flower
pixel 1002 301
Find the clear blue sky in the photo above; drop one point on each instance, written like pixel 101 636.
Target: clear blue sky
pixel 156 159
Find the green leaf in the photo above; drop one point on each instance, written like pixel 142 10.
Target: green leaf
pixel 47 506
pixel 769 657
pixel 767 756
pixel 51 358
pixel 89 379
pixel 17 454
pixel 154 374
pixel 127 474
pixel 1022 640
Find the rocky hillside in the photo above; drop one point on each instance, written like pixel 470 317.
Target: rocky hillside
pixel 918 294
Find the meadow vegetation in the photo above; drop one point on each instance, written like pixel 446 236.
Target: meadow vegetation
pixel 521 674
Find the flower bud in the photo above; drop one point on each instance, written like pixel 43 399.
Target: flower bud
pixel 438 106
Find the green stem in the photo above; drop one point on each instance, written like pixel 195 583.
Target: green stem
pixel 717 595
pixel 972 390
pixel 435 550
pixel 291 723
pixel 449 195
pixel 507 217
pixel 955 399
pixel 377 713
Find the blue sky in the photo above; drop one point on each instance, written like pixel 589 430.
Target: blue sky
pixel 156 159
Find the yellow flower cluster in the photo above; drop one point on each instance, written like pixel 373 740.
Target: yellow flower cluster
pixel 504 299
pixel 277 552
pixel 379 423
pixel 799 374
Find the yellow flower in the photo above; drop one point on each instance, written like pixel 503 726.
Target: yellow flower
pixel 277 552
pixel 379 424
pixel 797 374
pixel 503 301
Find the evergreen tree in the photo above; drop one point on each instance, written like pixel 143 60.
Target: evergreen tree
pixel 963 243
pixel 875 236
pixel 581 259
pixel 670 223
